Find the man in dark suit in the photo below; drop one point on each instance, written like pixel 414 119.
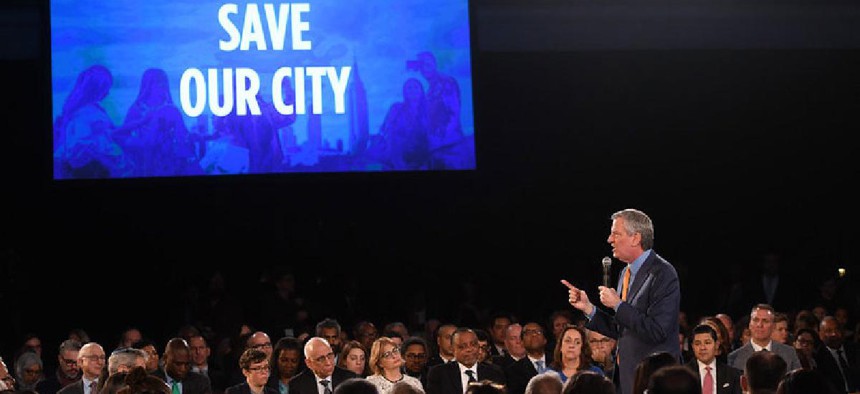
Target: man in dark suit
pixel 177 370
pixel 838 361
pixel 201 363
pixel 454 377
pixel 255 366
pixel 67 371
pixel 414 352
pixel 761 329
pixel 322 376
pixel 443 345
pixel 646 313
pixel 536 360
pixel 91 360
pixel 723 378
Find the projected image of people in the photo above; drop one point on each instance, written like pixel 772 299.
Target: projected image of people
pixel 154 136
pixel 443 98
pixel 83 147
pixel 405 129
pixel 260 88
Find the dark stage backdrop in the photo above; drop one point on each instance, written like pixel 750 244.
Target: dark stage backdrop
pixel 731 123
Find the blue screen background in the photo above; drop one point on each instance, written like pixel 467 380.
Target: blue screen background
pixel 107 137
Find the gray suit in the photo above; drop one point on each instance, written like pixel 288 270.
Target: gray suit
pixel 738 358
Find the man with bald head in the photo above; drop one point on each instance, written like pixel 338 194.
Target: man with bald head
pixel 514 350
pixel 322 375
pixel 91 361
pixel 177 370
pixel 260 340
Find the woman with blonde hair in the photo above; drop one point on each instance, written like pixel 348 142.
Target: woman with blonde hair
pixel 385 363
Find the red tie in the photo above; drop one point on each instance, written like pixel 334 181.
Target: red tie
pixel 708 385
pixel 625 284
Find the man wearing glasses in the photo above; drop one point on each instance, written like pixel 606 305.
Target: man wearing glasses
pixel 536 361
pixel 414 351
pixel 255 366
pixel 91 361
pixel 322 376
pixel 68 371
pixel 602 350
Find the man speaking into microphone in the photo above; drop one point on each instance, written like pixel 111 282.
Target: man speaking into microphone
pixel 646 302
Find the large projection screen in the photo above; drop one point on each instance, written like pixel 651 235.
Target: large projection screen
pixel 168 88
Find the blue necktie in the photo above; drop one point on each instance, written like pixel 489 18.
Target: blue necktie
pixel 540 366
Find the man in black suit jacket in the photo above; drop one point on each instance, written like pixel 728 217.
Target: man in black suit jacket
pixel 177 369
pixel 254 364
pixel 725 379
pixel 845 379
pixel 452 378
pixel 321 374
pixel 443 345
pixel 519 373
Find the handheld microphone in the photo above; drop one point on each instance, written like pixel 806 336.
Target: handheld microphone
pixel 607 262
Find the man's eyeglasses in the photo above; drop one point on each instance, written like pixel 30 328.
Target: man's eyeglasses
pixel 260 369
pixel 261 345
pixel 391 353
pixel 413 356
pixel 599 341
pixel 322 359
pixel 532 332
pixel 94 357
pixel 9 379
pixel 69 362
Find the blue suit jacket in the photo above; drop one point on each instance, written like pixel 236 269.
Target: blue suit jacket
pixel 647 322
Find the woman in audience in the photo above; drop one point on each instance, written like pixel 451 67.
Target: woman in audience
pixel 28 370
pixel 572 353
pixel 805 343
pixel 354 358
pixel 385 363
pixel 286 362
pixel 648 366
pixel 114 383
pixel 139 382
pixel 588 382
